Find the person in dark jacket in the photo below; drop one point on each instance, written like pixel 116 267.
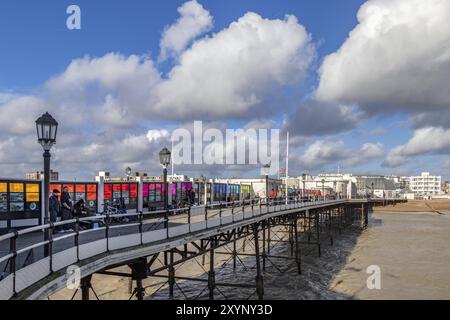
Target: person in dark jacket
pixel 66 212
pixel 79 209
pixel 54 206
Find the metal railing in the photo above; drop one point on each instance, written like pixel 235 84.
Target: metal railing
pixel 102 233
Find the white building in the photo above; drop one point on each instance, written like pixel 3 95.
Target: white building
pixel 425 184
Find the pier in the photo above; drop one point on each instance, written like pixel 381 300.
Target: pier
pixel 138 239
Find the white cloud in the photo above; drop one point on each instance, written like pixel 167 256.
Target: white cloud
pixel 424 141
pixel 156 135
pixel 235 70
pixel 315 118
pixel 18 114
pixel 194 21
pixel 322 153
pixel 397 57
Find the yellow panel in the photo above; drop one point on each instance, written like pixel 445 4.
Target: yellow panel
pixel 33 188
pixel 33 197
pixel 16 187
pixel 3 187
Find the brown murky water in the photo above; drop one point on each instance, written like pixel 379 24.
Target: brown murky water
pixel 411 249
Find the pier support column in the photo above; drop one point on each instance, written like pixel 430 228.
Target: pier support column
pixel 139 273
pixel 364 217
pixel 259 277
pixel 171 279
pixel 234 250
pixel 211 273
pixel 297 248
pixel 85 287
pixel 264 246
pixel 317 226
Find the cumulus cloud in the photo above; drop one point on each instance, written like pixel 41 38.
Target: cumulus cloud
pixel 322 153
pixel 318 119
pixel 156 135
pixel 18 114
pixel 194 21
pixel 424 141
pixel 396 58
pixel 235 71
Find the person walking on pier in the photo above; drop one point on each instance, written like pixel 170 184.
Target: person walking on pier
pixel 54 206
pixel 66 213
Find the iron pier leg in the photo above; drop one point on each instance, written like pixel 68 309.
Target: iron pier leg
pixel 85 287
pixel 330 226
pixel 317 225
pixel 234 250
pixel 138 273
pixel 259 277
pixel 211 273
pixel 264 245
pixel 171 276
pixel 308 213
pixel 268 238
pixel 297 248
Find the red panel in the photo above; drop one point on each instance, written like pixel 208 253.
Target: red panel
pixel 116 187
pixel 125 187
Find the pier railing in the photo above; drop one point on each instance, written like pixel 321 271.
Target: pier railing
pixel 26 259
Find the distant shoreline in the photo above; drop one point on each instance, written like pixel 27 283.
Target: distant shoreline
pixel 438 206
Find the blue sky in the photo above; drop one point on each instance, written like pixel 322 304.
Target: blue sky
pixel 40 45
pixel 369 123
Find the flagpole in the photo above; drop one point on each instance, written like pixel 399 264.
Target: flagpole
pixel 287 167
pixel 171 157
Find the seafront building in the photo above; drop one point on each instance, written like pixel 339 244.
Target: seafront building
pixel 426 185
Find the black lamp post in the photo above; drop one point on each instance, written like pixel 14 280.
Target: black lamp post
pixel 266 173
pixel 164 159
pixel 128 173
pixel 304 182
pixel 372 190
pixel 46 128
pixel 323 189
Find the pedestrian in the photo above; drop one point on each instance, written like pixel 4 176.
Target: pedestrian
pixel 192 194
pixel 79 209
pixel 67 206
pixel 54 207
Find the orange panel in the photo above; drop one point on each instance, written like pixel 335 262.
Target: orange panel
pixel 80 188
pixel 16 187
pixel 92 196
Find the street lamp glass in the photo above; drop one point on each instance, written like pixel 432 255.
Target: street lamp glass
pixel 266 169
pixel 164 157
pixel 46 128
pixel 128 171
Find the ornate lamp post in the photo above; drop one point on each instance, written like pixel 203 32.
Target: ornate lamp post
pixel 164 159
pixel 128 173
pixel 46 128
pixel 323 189
pixel 304 182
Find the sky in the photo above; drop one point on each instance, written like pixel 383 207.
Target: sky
pixel 359 85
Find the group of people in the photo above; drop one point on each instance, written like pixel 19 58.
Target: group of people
pixel 64 208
